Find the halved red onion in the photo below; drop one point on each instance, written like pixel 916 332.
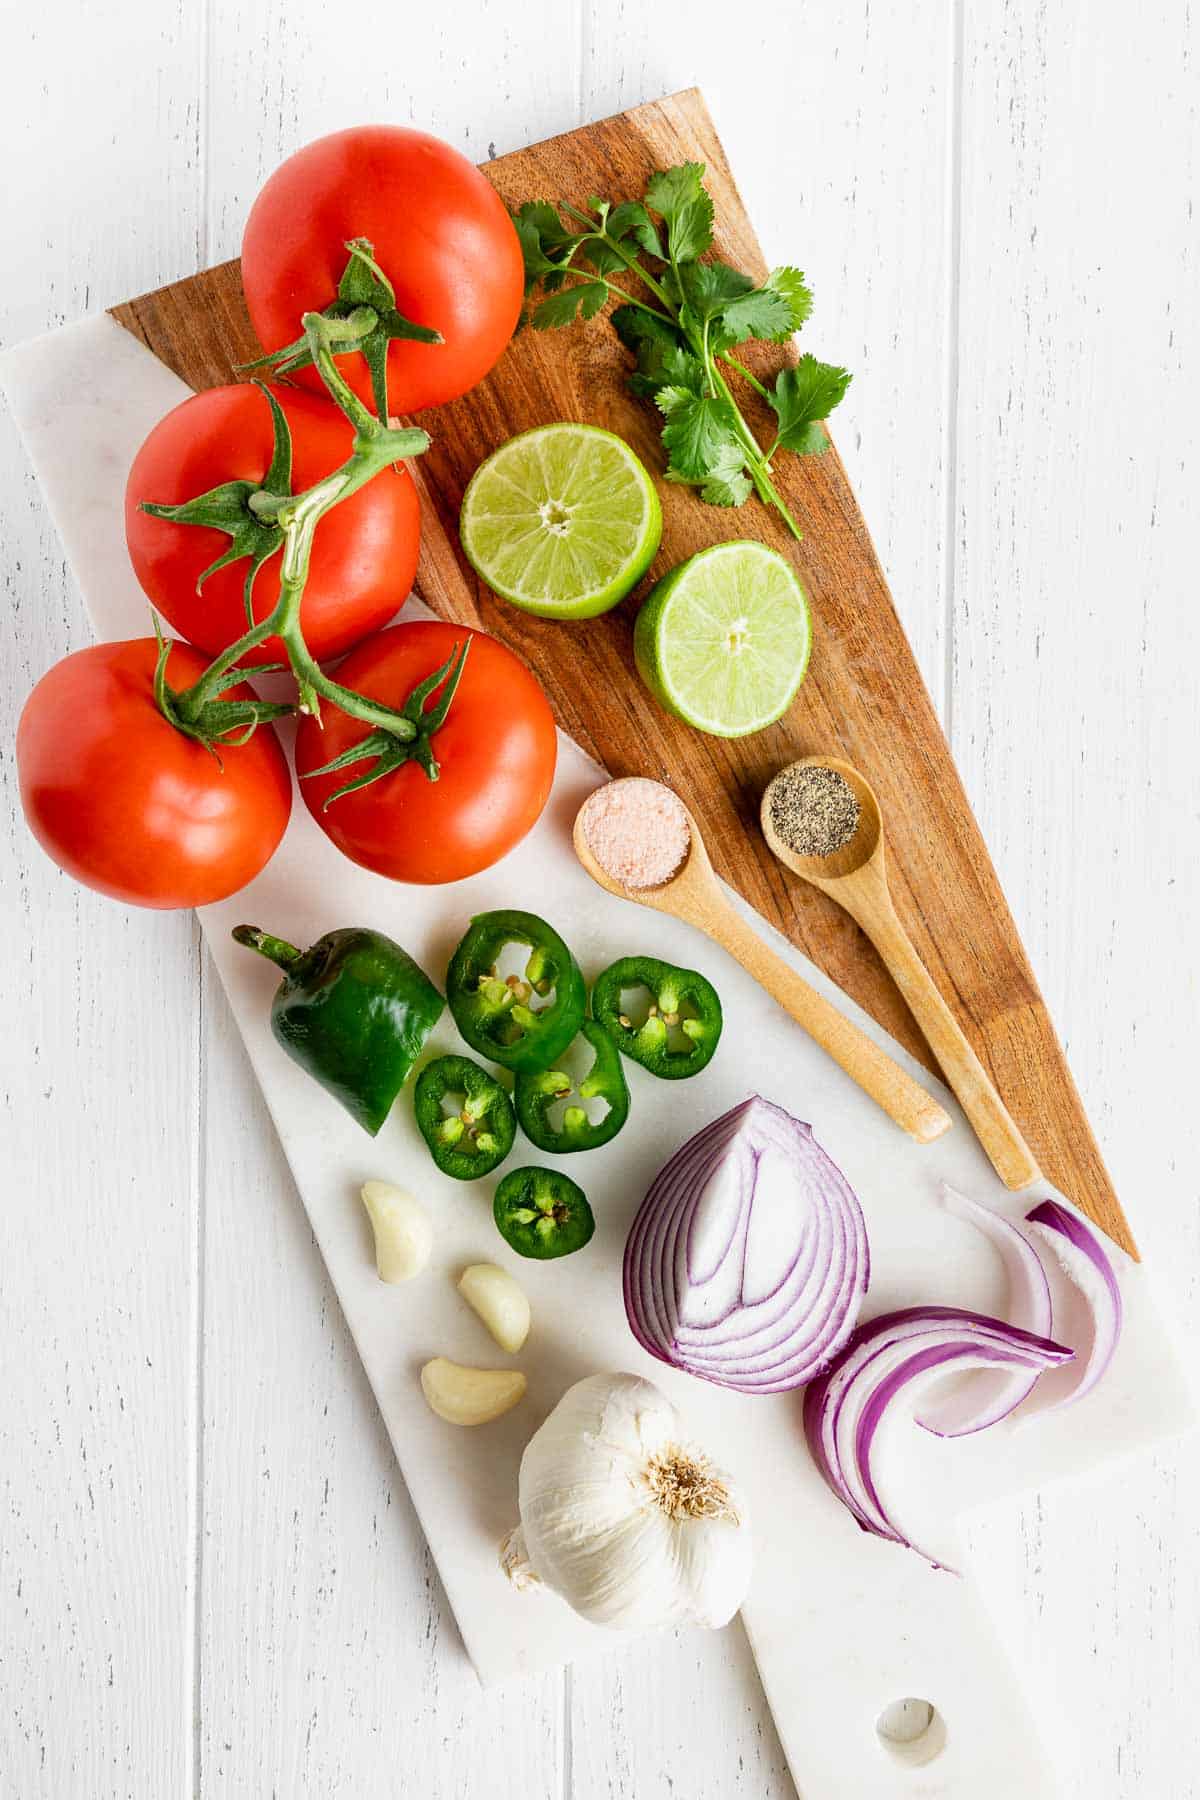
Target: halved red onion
pixel 1085 1262
pixel 844 1406
pixel 747 1261
pixel 986 1396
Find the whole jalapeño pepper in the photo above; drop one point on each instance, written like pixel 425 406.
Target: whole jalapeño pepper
pixel 502 1018
pixel 682 1029
pixel 537 1091
pixel 353 1011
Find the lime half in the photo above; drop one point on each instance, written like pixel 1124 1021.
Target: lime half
pixel 723 640
pixel 563 521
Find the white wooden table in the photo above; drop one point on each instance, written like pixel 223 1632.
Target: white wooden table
pixel 211 1582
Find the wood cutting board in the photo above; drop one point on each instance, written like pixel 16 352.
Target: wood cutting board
pixel 863 697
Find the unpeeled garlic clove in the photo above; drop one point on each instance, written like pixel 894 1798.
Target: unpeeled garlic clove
pixel 403 1233
pixel 500 1302
pixel 470 1396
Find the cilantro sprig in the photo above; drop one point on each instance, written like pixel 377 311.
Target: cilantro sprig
pixel 682 313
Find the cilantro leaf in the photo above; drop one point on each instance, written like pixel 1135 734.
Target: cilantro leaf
pixel 668 365
pixel 802 397
pixel 631 219
pixel 709 287
pixel 728 483
pixel 561 308
pixel 680 197
pixel 663 359
pixel 592 296
pixel 557 309
pixel 668 397
pixel 537 263
pixel 739 310
pixel 542 216
pixel 760 314
pixel 696 433
pixel 634 326
pixel 791 284
pixel 604 257
pixel 547 247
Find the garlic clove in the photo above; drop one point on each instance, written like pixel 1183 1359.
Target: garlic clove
pixel 500 1302
pixel 470 1396
pixel 403 1233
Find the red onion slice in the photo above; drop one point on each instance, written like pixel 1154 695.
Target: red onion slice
pixel 747 1261
pixel 989 1395
pixel 844 1406
pixel 1085 1262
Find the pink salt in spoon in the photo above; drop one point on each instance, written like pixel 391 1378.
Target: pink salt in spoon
pixel 653 853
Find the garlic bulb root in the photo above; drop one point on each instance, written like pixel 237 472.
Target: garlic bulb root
pixel 514 1560
pixel 631 1524
pixel 684 1485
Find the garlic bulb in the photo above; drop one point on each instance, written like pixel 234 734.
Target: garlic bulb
pixel 630 1524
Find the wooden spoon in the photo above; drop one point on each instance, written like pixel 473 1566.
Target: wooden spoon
pixel 856 877
pixel 694 895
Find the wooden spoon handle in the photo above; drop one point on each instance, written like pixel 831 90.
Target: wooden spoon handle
pixel 994 1126
pixel 903 1099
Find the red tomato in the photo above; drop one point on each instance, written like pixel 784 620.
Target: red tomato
pixel 441 235
pixel 364 553
pixel 496 752
pixel 130 806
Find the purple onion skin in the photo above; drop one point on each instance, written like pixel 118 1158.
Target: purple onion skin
pixel 787 1350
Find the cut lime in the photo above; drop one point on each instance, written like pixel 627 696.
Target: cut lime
pixel 723 640
pixel 563 521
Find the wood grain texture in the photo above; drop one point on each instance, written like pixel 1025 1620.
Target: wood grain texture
pixel 863 696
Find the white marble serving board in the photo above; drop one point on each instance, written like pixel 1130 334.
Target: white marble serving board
pixel 840 1624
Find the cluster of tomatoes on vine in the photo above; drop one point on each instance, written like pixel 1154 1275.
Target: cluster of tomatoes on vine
pixel 277 528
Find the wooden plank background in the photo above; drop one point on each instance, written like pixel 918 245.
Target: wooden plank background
pixel 211 1581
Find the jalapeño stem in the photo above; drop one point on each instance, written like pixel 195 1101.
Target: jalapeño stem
pixel 276 949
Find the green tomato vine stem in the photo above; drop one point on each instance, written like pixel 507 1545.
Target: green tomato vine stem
pixel 376 447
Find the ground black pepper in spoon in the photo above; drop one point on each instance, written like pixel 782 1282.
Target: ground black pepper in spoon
pixel 813 809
